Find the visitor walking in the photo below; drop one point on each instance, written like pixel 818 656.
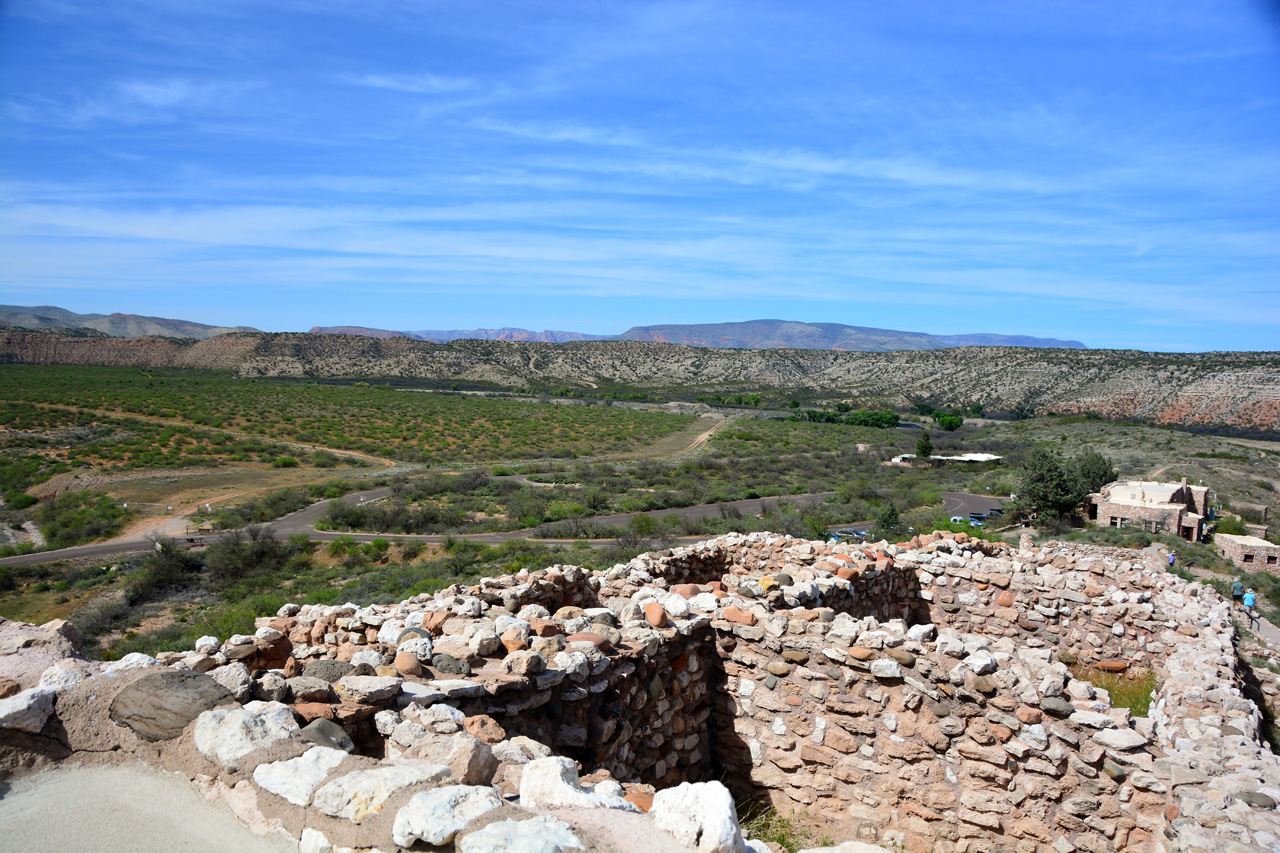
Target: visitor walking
pixel 1250 599
pixel 1172 556
pixel 1237 593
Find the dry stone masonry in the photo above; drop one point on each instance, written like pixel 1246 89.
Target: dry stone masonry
pixel 916 696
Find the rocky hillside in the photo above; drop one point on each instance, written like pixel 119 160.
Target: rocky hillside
pixel 115 325
pixel 1235 389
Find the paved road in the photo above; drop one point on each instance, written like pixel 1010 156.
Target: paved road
pixel 959 503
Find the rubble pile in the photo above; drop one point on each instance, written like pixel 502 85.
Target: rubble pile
pixel 917 696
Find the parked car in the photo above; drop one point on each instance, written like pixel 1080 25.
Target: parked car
pixel 956 519
pixel 973 522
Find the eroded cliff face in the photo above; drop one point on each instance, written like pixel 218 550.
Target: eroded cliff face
pixel 1235 389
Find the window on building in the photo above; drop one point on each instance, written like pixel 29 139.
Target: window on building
pixel 1248 558
pixel 1271 560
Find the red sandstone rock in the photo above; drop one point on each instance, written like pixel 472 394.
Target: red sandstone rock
pixel 686 590
pixel 1029 716
pixel 484 727
pixel 1005 599
pixel 642 800
pixel 847 572
pixel 545 627
pixel 9 687
pixel 738 616
pixel 309 711
pixel 1112 665
pixel 434 622
pixel 656 615
pixel 292 667
pixel 602 643
pixel 408 664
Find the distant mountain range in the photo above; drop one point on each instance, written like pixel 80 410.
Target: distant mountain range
pixel 443 336
pixel 115 325
pixel 752 334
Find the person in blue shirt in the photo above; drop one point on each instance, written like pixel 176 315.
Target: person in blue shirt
pixel 1249 600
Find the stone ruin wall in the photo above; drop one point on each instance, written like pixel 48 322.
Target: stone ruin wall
pixel 913 696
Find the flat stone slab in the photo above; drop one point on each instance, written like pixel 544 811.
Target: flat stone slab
pixel 1119 738
pixel 357 795
pixel 297 778
pixel 458 689
pixel 159 705
pixel 368 689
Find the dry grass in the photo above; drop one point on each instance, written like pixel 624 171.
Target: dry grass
pixel 1131 689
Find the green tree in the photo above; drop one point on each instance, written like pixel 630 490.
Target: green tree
pixel 888 521
pixel 924 446
pixel 1091 471
pixel 1049 484
pixel 950 423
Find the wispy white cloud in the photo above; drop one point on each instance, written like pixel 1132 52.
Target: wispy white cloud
pixel 422 84
pixel 549 132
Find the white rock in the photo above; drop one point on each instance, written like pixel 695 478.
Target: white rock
pixel 390 631
pixel 436 816
pixel 374 658
pixel 981 662
pixel 133 660
pixel 297 778
pixel 886 668
pixel 699 815
pixel 539 835
pixel 1119 738
pixel 921 633
pixel 553 782
pixel 225 735
pixel 367 689
pixel 63 674
pixel 849 847
pixel 28 711
pixel 314 841
pixel 704 602
pixel 235 677
pixel 365 792
pixel 208 645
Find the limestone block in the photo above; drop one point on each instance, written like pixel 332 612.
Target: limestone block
pixel 297 778
pixel 436 816
pixel 63 674
pixel 700 816
pixel 368 689
pixel 470 759
pixel 1119 738
pixel 28 711
pixel 553 782
pixel 364 792
pixel 235 677
pixel 538 835
pixel 225 735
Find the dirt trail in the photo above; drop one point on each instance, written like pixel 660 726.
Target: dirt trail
pixel 704 437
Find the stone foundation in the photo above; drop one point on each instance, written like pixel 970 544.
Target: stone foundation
pixel 915 695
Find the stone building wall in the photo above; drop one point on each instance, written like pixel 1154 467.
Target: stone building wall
pixel 1249 552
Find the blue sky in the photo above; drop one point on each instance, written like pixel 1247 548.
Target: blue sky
pixel 1108 172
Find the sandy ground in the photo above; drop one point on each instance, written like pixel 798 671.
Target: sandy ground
pixel 130 809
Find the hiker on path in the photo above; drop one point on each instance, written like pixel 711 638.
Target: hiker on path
pixel 1172 556
pixel 1237 593
pixel 1249 600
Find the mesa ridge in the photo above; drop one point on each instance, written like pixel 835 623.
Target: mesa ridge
pixel 1236 389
